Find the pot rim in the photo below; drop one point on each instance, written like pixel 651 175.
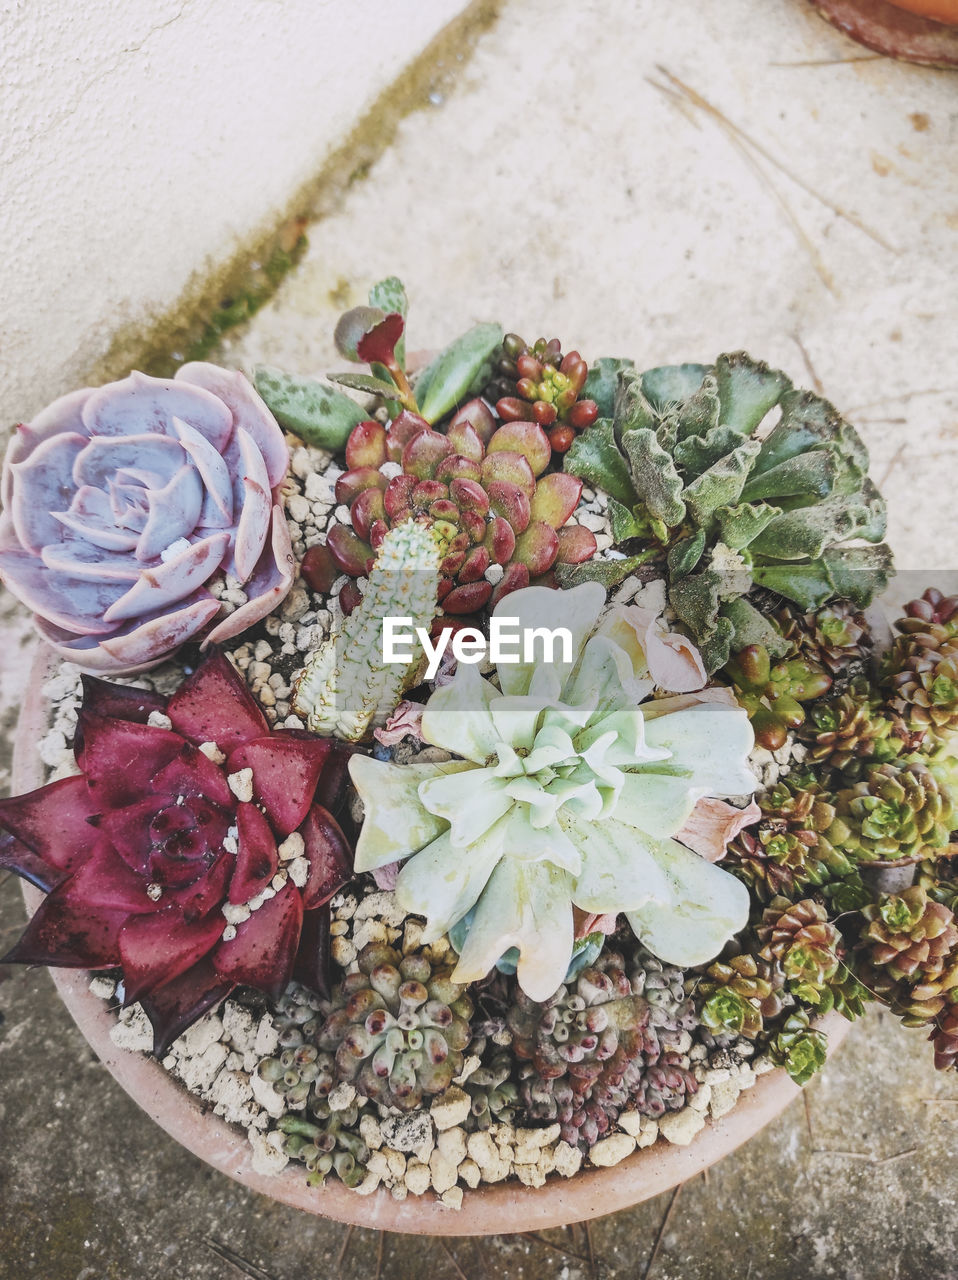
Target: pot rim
pixel 494 1209
pixel 894 29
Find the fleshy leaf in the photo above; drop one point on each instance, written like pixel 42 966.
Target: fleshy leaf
pixel 120 758
pixel 525 438
pixel 263 952
pixel 721 485
pixel 602 383
pixel 313 953
pixel 160 947
pixel 671 384
pixel 286 770
pixel 625 523
pixel 65 935
pixel 256 860
pixel 214 704
pixel 607 572
pixel 120 701
pixel 177 1004
pixel 596 457
pixel 448 380
pixel 52 821
pixel 396 824
pixel 364 382
pixel 747 390
pixel 699 414
pixel 654 477
pixel 317 413
pixel 329 856
pixel 708 907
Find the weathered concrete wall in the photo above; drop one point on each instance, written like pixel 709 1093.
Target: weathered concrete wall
pixel 145 141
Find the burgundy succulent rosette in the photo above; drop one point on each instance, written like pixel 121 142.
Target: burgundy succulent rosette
pixel 120 503
pixel 194 858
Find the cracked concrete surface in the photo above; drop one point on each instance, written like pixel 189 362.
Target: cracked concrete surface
pixel 573 180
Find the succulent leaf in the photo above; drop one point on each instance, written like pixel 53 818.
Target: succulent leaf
pixel 558 746
pixel 448 380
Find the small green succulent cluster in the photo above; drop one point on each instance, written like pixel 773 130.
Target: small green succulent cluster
pixel 397 1027
pixel 791 968
pixel 325 1141
pixel 876 788
pixel 697 482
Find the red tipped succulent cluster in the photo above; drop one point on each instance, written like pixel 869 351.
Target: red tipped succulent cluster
pixel 540 384
pixel 155 865
pixel 484 488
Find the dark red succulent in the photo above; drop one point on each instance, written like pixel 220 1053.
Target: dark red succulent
pixel 540 384
pixel 167 856
pixel 485 488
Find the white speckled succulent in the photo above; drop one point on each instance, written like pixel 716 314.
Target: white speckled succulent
pixel 568 792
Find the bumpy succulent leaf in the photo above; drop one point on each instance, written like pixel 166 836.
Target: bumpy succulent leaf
pixel 602 382
pixel 689 476
pixel 347 687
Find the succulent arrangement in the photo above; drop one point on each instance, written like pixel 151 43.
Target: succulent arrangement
pixel 489 912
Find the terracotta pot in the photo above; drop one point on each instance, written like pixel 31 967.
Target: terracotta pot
pixel 938 10
pixel 911 30
pixel 503 1207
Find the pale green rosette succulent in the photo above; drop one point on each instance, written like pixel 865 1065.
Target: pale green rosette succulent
pixel 568 793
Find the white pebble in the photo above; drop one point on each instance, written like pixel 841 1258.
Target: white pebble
pixel 241 785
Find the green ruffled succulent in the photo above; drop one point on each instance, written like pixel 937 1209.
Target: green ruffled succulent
pixel 727 508
pixel 565 793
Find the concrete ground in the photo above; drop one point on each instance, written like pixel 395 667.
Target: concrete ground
pixel 667 182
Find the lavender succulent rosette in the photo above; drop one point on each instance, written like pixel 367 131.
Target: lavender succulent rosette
pixel 122 502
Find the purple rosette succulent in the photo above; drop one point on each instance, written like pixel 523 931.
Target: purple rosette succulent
pixel 121 503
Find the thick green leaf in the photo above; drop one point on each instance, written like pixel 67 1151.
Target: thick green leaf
pixel 685 555
pixel 625 523
pixel 807 420
pixel 632 410
pixel 320 415
pixel 812 473
pixel 602 382
pixel 595 457
pixel 751 627
pixel 716 649
pixel 722 484
pixel 364 382
pixel 700 412
pixel 609 572
pixel 657 483
pixel 809 585
pixel 697 604
pixel 738 526
pixel 445 383
pixel 875 525
pixel 672 383
pixel 859 573
pixel 696 454
pixel 667 433
pixel 806 532
pixel 747 389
